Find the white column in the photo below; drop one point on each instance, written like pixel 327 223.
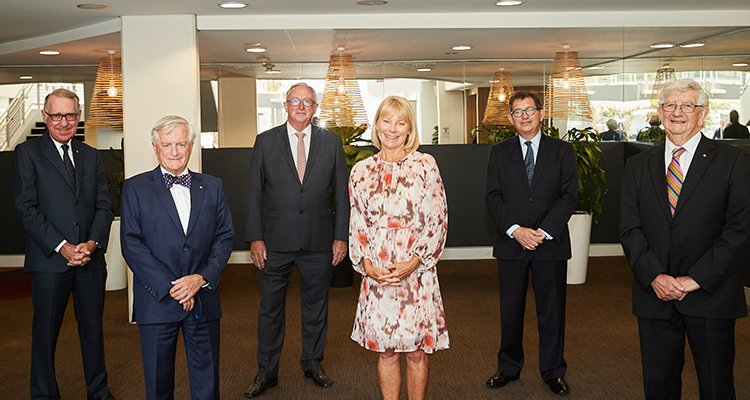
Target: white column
pixel 160 76
pixel 238 112
pixel 744 106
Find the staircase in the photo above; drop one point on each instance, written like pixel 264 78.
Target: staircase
pixel 40 127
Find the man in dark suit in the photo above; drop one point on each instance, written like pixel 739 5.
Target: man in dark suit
pixel 297 175
pixel 532 190
pixel 176 237
pixel 735 130
pixel 612 133
pixel 62 201
pixel 684 223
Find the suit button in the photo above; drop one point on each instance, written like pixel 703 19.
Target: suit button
pixel 75 223
pixel 76 202
pixel 302 191
pixel 531 200
pixel 301 212
pixel 185 248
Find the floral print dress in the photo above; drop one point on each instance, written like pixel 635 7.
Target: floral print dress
pixel 399 210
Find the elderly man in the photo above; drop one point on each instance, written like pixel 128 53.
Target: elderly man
pixel 684 223
pixel 176 237
pixel 532 190
pixel 297 176
pixel 611 133
pixel 62 200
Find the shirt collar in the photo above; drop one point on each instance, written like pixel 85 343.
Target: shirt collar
pixel 291 131
pixel 164 171
pixel 690 146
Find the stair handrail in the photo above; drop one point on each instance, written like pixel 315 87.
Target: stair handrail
pixel 14 117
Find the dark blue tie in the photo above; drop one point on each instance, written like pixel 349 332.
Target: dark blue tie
pixel 529 162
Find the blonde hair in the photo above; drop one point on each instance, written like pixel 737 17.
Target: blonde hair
pixel 400 107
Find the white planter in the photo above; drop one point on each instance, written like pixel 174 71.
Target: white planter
pixel 117 270
pixel 580 238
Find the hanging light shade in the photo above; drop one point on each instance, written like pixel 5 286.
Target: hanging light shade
pixel 342 102
pixel 664 75
pixel 105 111
pixel 566 92
pixel 497 109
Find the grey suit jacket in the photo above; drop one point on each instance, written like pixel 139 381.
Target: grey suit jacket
pixel 289 215
pixel 50 210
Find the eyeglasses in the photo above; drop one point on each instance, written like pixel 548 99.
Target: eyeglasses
pixel 59 117
pixel 295 102
pixel 529 111
pixel 686 108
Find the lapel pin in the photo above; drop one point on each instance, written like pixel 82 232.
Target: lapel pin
pixel 200 187
pixel 704 155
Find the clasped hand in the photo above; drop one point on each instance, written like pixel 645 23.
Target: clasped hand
pixel 395 273
pixel 669 288
pixel 80 255
pixel 184 290
pixel 529 238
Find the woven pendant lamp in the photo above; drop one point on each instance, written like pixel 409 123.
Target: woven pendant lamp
pixel 664 75
pixel 342 102
pixel 566 94
pixel 497 109
pixel 105 111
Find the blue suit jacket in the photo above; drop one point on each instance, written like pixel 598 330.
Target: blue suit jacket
pixel 158 251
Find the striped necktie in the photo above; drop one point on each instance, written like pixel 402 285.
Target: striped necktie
pixel 675 177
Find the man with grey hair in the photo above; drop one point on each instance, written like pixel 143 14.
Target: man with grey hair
pixel 177 237
pixel 297 179
pixel 684 226
pixel 612 133
pixel 61 198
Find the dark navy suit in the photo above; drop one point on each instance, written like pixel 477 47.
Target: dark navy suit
pixel 158 251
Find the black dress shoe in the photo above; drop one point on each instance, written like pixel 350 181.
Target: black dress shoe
pixel 500 380
pixel 259 385
pixel 319 376
pixel 558 386
pixel 107 396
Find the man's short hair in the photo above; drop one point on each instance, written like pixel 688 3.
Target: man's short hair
pixel 167 124
pixel 734 116
pixel 66 94
pixel 399 106
pixel 684 85
pixel 611 124
pixel 524 95
pixel 303 84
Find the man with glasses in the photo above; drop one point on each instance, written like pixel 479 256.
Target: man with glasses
pixel 532 190
pixel 684 223
pixel 297 179
pixel 61 198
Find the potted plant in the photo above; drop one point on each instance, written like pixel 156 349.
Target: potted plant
pixel 592 182
pixel 351 138
pixel 494 135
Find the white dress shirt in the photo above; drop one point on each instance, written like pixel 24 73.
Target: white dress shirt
pixel 58 146
pixel 181 196
pixel 686 158
pixel 293 140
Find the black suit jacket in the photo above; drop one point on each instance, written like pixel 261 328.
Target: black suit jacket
pixel 736 131
pixel 159 252
pixel 707 238
pixel 547 203
pixel 50 210
pixel 290 216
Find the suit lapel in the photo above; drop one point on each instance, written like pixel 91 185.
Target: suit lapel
pixel 162 193
pixel 516 158
pixel 196 200
pixel 78 161
pixel 286 149
pixel 704 153
pixel 50 151
pixel 541 159
pixel 314 147
pixel 659 178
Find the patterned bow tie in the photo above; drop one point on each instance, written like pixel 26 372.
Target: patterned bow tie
pixel 183 180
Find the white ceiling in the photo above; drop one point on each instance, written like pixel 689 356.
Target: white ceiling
pixel 389 41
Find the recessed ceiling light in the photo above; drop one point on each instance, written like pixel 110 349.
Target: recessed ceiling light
pixel 461 47
pixel 596 67
pixel 257 49
pixel 25 77
pixel 662 45
pixel 424 69
pixel 691 45
pixel 272 71
pixel 739 65
pixel 232 5
pixel 507 3
pixel 92 6
pixel 371 3
pixel 49 52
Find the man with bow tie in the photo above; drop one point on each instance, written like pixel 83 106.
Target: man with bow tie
pixel 176 238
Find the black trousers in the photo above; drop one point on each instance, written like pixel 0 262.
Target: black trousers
pixel 50 292
pixel 663 356
pixel 315 271
pixel 549 284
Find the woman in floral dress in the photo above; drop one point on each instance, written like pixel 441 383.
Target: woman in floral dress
pixel 398 224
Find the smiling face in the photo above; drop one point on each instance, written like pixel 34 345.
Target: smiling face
pixel 299 116
pixel 62 131
pixel 392 132
pixel 173 149
pixel 682 126
pixel 526 126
